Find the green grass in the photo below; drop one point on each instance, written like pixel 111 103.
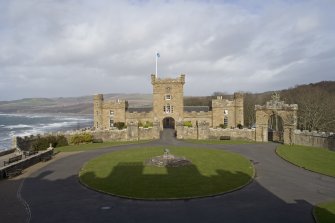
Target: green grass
pixel 216 141
pixel 315 159
pixel 93 146
pixel 123 173
pixel 325 213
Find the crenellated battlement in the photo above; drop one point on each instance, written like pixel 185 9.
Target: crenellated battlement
pixel 157 80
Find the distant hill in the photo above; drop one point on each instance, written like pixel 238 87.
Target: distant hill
pixel 80 105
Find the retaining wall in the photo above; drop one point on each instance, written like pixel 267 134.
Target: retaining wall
pixel 25 163
pixel 248 134
pixel 316 139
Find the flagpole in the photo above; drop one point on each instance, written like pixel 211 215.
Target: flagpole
pixel 156 62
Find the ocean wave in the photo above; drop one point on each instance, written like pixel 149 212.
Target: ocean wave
pixel 19 126
pixel 57 125
pixel 26 115
pixel 5 139
pixel 81 119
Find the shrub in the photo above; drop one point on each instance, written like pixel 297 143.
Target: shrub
pixel 223 126
pixel 147 124
pixel 120 125
pixel 61 141
pixel 81 138
pixel 239 126
pixel 188 123
pixel 42 143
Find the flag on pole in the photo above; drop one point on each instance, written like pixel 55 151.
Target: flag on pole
pixel 157 56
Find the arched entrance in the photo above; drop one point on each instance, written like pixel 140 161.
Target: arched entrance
pixel 168 123
pixel 279 118
pixel 275 128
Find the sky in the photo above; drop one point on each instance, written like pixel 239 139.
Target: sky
pixel 64 48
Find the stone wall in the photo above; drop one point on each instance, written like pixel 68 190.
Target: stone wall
pixel 202 131
pixel 139 116
pixel 248 134
pixel 26 162
pixel 198 116
pixel 131 133
pixel 108 135
pixel 316 139
pixel 184 132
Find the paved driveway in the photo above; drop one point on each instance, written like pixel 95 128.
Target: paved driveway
pixel 280 192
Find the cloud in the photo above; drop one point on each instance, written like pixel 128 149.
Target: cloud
pixel 68 48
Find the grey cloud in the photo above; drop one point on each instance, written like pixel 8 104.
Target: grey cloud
pixel 65 48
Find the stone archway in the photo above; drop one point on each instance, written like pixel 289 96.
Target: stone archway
pixel 277 108
pixel 168 123
pixel 275 128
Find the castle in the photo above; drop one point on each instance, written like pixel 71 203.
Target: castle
pixel 168 108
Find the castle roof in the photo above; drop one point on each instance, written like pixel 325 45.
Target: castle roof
pixel 196 108
pixel 140 109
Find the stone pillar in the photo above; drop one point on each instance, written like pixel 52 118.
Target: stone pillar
pixel 156 130
pixel 180 130
pixel 132 131
pixel 203 130
pixel 289 134
pixel 261 133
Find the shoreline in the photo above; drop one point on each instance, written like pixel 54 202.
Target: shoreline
pixel 26 124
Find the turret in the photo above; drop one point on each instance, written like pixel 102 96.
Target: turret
pixel 239 111
pixel 98 101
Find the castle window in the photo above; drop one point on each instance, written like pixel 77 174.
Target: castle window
pixel 168 109
pixel 111 123
pixel 225 112
pixel 168 97
pixel 97 112
pixel 111 112
pixel 97 125
pixel 225 121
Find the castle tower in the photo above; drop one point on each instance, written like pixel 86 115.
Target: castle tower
pixel 239 113
pixel 168 100
pixel 115 112
pixel 98 101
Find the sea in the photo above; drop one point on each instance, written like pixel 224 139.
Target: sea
pixel 31 124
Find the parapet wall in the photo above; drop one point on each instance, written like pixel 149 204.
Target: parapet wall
pixel 316 139
pixel 131 133
pixel 202 131
pixel 248 134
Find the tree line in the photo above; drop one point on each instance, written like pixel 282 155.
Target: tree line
pixel 316 104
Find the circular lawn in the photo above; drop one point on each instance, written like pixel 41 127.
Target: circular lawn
pixel 124 173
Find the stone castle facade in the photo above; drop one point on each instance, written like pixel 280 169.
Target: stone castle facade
pixel 168 109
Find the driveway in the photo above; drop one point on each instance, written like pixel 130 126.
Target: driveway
pixel 280 192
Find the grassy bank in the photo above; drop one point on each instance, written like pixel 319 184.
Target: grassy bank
pixel 325 213
pixel 125 174
pixel 315 159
